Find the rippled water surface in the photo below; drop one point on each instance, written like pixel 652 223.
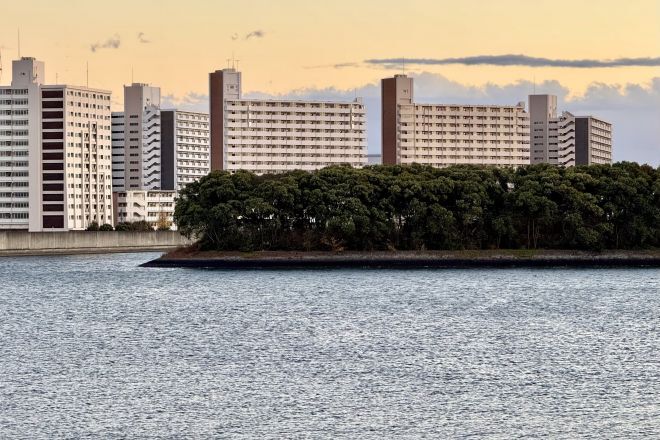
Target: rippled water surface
pixel 96 347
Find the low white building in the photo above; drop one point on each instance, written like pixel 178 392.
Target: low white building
pixel 153 206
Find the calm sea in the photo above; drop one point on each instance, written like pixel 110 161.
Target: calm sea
pixel 96 347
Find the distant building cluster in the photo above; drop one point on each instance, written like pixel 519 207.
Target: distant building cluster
pixel 566 139
pixel 67 161
pixel 453 134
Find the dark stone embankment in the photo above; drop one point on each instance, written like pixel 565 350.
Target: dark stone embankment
pixel 404 260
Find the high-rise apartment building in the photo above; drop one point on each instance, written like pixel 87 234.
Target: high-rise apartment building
pixel 186 148
pixel 544 129
pixel 450 134
pixel 593 141
pixel 142 149
pixel 272 136
pixel 393 93
pixel 566 139
pixel 55 153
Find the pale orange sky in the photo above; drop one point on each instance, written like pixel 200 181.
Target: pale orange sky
pixel 188 39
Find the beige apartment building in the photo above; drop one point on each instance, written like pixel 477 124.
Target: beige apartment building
pixel 274 136
pixel 450 134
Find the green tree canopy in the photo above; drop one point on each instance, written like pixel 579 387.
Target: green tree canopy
pixel 419 207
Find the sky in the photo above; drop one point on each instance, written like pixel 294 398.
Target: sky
pixel 599 56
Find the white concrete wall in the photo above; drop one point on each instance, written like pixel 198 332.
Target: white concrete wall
pixel 88 241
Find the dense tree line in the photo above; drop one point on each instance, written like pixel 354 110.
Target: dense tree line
pixel 420 207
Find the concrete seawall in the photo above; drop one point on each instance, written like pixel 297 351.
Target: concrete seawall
pixel 40 243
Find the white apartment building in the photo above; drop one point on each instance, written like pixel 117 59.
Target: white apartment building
pixel 55 153
pixel 567 140
pixel 274 136
pixel 142 151
pixel 450 134
pixel 185 148
pixel 155 207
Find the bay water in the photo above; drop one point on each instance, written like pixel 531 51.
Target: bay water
pixel 94 346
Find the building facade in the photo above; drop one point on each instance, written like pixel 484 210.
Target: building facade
pixel 118 145
pixel 450 134
pixel 544 129
pixel 593 141
pixel 155 207
pixel 185 148
pixel 274 136
pixel 142 149
pixel 566 139
pixel 55 153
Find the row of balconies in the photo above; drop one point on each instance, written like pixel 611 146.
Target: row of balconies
pixel 288 136
pixel 460 134
pixel 462 127
pixel 294 145
pixel 193 160
pixel 518 160
pixel 269 167
pixel 267 127
pixel 494 150
pixel 292 134
pixel 465 141
pixel 308 116
pixel 433 119
pixel 293 157
pixel 233 106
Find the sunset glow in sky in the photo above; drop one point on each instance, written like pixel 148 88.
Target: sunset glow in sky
pixel 289 45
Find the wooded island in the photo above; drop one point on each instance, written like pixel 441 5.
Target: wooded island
pixel 416 207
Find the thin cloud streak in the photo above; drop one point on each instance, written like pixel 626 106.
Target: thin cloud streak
pixel 519 60
pixel 333 66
